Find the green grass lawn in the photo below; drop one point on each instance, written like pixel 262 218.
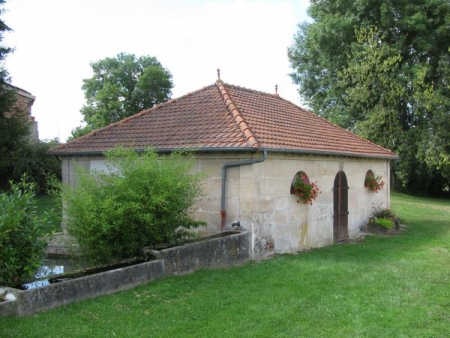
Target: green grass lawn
pixel 397 286
pixel 46 203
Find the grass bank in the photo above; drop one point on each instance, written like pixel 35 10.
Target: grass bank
pixel 47 203
pixel 394 286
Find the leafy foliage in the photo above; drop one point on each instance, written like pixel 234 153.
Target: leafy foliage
pixel 121 87
pixel 18 154
pixel 80 131
pixel 381 69
pixel 23 235
pixel 37 165
pixel 142 200
pixel 416 29
pixel 14 129
pixel 382 222
pixel 384 218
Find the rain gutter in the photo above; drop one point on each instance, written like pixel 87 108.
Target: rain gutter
pixel 331 153
pixel 240 149
pixel 249 138
pixel 225 167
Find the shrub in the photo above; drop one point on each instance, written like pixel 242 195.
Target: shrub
pixel 143 200
pixel 384 218
pixel 384 223
pixel 34 162
pixel 23 235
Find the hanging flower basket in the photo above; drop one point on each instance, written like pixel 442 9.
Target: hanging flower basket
pixel 373 183
pixel 305 191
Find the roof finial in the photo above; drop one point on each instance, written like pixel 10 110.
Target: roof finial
pixel 218 73
pixel 276 89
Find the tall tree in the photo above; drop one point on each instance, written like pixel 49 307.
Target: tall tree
pixel 122 86
pixel 380 68
pixel 14 127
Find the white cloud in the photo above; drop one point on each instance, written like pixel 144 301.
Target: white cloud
pixel 56 40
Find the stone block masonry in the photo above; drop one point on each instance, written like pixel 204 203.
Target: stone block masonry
pixel 220 251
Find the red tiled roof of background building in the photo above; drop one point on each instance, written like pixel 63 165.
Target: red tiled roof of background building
pixel 226 117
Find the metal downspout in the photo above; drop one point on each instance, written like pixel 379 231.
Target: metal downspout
pixel 223 212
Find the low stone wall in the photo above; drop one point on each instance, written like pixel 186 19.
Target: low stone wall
pixel 220 252
pixel 226 250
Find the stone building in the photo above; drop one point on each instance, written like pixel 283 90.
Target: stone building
pixel 22 106
pixel 253 146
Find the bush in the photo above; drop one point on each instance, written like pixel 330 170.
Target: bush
pixel 384 218
pixel 143 200
pixel 37 165
pixel 23 235
pixel 384 223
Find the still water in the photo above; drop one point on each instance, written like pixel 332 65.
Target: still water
pixel 53 266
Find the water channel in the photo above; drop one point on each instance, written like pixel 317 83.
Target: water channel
pixel 51 267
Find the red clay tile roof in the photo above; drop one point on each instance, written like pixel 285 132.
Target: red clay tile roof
pixel 226 117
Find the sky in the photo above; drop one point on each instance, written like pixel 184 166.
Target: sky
pixel 55 42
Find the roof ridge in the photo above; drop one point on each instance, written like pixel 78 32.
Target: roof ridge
pixel 276 94
pixel 238 118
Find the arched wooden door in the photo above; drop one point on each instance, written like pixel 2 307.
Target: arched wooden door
pixel 340 205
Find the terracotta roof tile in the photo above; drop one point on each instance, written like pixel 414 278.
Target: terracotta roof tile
pixel 223 116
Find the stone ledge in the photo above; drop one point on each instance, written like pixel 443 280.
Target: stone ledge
pixel 211 253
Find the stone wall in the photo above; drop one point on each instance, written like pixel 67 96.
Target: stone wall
pixel 258 197
pixel 279 224
pixel 227 250
pixel 22 106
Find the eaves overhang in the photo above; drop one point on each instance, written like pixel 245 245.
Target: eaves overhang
pixel 240 149
pixel 332 153
pixel 160 150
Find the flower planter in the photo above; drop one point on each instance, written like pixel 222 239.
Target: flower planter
pixel 372 182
